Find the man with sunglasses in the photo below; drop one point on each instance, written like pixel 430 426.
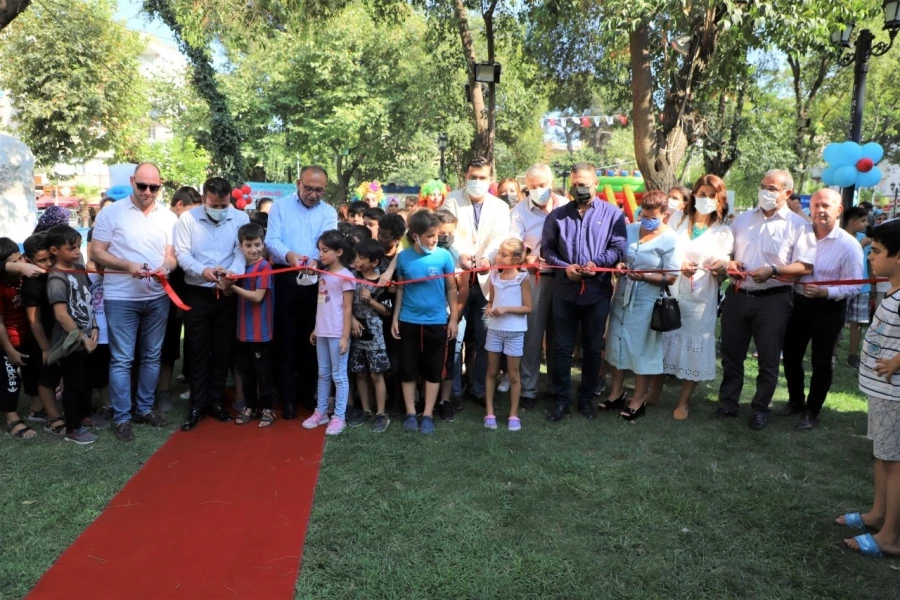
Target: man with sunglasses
pixel 134 236
pixel 295 224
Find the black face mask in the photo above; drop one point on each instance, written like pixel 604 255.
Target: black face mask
pixel 510 199
pixel 445 241
pixel 581 194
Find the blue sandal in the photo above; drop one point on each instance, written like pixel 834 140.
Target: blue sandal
pixel 852 520
pixel 868 546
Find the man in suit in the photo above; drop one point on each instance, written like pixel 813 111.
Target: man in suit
pixel 483 223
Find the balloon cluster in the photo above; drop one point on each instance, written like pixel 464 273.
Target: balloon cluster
pixel 850 164
pixel 242 197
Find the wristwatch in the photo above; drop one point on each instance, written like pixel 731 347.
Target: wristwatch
pixel 774 270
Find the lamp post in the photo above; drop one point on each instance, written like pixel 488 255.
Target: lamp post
pixel 896 190
pixel 442 146
pixel 864 48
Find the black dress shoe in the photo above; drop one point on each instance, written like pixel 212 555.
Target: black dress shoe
pixel 630 414
pixel 219 414
pixel 790 409
pixel 557 414
pixel 193 419
pixel 528 402
pixel 721 413
pixel 807 423
pixel 289 411
pixel 588 411
pixel 758 421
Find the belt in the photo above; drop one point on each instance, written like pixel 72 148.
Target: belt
pixel 781 289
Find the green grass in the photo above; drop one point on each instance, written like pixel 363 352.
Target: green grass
pixel 653 509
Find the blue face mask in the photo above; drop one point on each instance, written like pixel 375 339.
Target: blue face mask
pixel 650 224
pixel 423 248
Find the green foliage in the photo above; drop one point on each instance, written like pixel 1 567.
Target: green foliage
pixel 72 74
pixel 180 161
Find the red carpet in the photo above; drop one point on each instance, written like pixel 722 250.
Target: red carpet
pixel 220 512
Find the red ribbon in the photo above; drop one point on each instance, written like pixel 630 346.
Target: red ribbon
pixel 163 281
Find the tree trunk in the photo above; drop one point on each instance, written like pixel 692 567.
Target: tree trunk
pixel 726 150
pixel 802 105
pixel 345 176
pixel 10 9
pixel 483 143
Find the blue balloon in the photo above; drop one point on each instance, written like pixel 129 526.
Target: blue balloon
pixel 828 175
pixel 119 192
pixel 874 151
pixel 869 179
pixel 845 176
pixel 831 153
pixel 849 153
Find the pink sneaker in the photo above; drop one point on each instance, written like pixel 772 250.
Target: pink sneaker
pixel 315 419
pixel 335 426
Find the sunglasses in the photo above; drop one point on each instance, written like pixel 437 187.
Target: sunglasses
pixel 143 187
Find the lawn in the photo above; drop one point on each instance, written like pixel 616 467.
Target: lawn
pixel 607 509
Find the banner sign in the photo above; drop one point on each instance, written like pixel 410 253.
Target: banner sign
pixel 275 191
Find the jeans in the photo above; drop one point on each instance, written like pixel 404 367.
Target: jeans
pixel 125 318
pixel 477 321
pixel 457 358
pixel 566 318
pixel 332 367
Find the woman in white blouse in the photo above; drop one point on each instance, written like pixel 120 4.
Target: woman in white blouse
pixel 703 245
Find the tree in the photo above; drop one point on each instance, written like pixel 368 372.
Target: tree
pixel 10 9
pixel 71 110
pixel 180 161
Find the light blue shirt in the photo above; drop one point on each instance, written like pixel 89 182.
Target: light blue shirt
pixel 201 243
pixel 295 228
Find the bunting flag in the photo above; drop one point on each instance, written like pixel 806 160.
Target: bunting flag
pixel 587 121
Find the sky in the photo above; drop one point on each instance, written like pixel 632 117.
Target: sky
pixel 130 12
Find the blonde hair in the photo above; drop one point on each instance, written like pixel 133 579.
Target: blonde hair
pixel 516 248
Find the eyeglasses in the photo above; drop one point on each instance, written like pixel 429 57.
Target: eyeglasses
pixel 143 187
pixel 770 188
pixel 313 190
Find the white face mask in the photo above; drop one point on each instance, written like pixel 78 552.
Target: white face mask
pixel 478 188
pixel 216 214
pixel 768 200
pixel 674 204
pixel 539 196
pixel 705 206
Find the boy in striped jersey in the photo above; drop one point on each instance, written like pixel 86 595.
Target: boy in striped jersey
pixel 879 379
pixel 254 329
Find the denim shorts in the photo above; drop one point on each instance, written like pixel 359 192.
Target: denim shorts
pixel 510 343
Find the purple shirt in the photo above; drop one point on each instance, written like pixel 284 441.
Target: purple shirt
pixel 570 239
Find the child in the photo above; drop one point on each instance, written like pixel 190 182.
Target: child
pixel 451 386
pixel 879 379
pixel 70 296
pixel 510 302
pixel 19 358
pixel 255 326
pixel 370 220
pixel 331 336
pixel 368 351
pixel 855 220
pixel 355 212
pixel 420 320
pixel 358 233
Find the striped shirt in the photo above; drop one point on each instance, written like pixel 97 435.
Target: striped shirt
pixel 882 342
pixel 255 319
pixel 838 256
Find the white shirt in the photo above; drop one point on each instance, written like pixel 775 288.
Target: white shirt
pixel 135 237
pixel 527 222
pixel 478 242
pixel 779 240
pixel 201 243
pixel 295 228
pixel 838 256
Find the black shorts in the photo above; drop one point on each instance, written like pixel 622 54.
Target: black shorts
pixel 423 351
pixel 32 367
pixel 98 367
pixel 171 348
pixel 50 376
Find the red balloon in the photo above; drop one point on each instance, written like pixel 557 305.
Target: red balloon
pixel 246 189
pixel 864 165
pixel 236 194
pixel 241 204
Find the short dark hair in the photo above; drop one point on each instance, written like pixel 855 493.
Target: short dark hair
pixel 445 216
pixel 186 195
pixel 370 249
pixel 343 226
pixel 421 221
pixel 60 235
pixel 357 207
pixel 7 248
pixel 217 186
pixel 262 219
pixel 584 167
pixel 336 240
pixel 250 231
pixel 35 243
pixel 263 201
pixel 888 235
pixel 654 199
pixel 359 233
pixel 477 162
pixel 854 212
pixel 374 213
pixel 867 205
pixel 314 169
pixel 392 223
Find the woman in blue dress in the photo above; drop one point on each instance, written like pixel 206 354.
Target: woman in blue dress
pixel 630 343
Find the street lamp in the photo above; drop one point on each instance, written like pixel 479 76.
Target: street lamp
pixel 896 190
pixel 442 146
pixel 863 50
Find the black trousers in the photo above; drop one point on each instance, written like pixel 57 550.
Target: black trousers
pixel 209 338
pixel 765 319
pixel 816 320
pixel 76 394
pixel 296 365
pixel 253 361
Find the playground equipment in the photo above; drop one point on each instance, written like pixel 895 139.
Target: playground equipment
pixel 623 189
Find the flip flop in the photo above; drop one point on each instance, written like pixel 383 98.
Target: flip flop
pixel 851 520
pixel 868 546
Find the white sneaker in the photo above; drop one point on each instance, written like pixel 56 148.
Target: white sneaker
pixel 503 386
pixel 186 395
pixel 315 419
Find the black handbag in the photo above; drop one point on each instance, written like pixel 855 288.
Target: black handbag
pixel 666 312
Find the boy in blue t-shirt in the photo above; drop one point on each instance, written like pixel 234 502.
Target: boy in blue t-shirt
pixel 420 316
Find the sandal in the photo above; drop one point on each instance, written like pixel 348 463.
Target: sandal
pixel 630 414
pixel 37 416
pixel 617 404
pixel 56 429
pixel 267 417
pixel 20 434
pixel 245 416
